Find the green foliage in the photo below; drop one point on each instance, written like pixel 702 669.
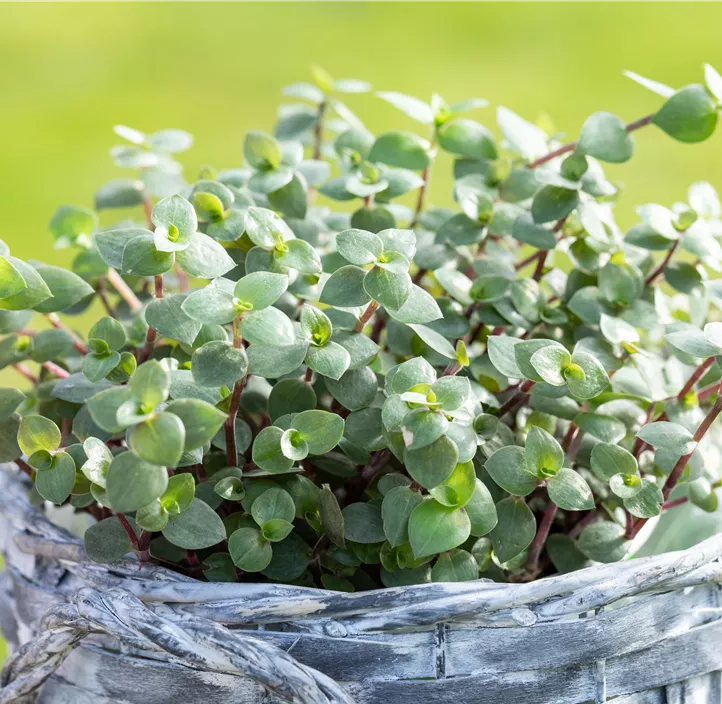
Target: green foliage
pixel 304 393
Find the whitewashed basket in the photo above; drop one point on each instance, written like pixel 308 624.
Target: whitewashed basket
pixel 645 631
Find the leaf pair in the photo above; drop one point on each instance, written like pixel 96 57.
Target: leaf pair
pixel 251 547
pixel 312 432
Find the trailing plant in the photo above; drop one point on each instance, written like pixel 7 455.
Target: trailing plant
pixel 386 392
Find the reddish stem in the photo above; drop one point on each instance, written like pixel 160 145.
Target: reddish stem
pixel 366 316
pixel 129 530
pixel 518 396
pixel 123 290
pixel 696 376
pixel 25 467
pixel 679 467
pixel 152 334
pixel 24 371
pixel 660 269
pixel 530 259
pixel 148 210
pixel 59 325
pixel 56 370
pixel 425 174
pixel 230 423
pixel 535 549
pixel 566 148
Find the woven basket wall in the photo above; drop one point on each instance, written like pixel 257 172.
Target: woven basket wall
pixel 645 631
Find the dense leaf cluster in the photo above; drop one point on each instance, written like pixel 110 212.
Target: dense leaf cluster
pixel 379 393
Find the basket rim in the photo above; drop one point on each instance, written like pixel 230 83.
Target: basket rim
pixel 394 607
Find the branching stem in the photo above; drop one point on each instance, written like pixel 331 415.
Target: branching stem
pixel 58 324
pixel 152 334
pixel 366 316
pixel 124 291
pixel 571 146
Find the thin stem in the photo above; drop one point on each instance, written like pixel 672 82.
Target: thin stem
pixel 376 463
pixel 152 334
pixel 660 269
pixel 22 464
pixel 535 549
pixel 60 325
pixel 426 176
pixel 418 276
pixel 24 371
pixel 230 423
pixel 148 210
pixel 531 258
pixel 696 376
pixel 103 296
pixel 567 441
pixel 539 270
pixel 581 524
pixel 318 130
pixel 576 444
pixel 366 316
pixel 124 291
pixel 679 467
pixel 684 499
pixel 639 444
pixel 308 376
pixel 571 146
pixel 129 530
pixel 518 396
pixel 56 370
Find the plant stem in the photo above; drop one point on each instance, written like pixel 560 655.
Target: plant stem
pixel 426 176
pixel 124 291
pixel 576 444
pixel 56 370
pixel 684 499
pixel 639 443
pixel 518 396
pixel 418 276
pixel 567 441
pixel 24 371
pixel 148 210
pixel 696 376
pixel 103 296
pixel 678 468
pixel 230 423
pixel 150 338
pixel 531 258
pixel 140 545
pixel 60 325
pixel 571 146
pixel 532 563
pixel 318 130
pixel 25 467
pixel 365 316
pixel 660 269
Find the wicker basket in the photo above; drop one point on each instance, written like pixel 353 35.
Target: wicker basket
pixel 643 631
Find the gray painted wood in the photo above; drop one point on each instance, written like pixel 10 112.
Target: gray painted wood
pixel 84 632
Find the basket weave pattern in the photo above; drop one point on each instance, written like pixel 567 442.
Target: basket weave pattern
pixel 645 631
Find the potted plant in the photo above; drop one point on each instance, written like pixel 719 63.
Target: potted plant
pixel 409 444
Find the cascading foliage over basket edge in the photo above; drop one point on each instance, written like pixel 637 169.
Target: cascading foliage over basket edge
pixel 379 392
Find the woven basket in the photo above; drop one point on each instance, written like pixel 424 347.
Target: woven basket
pixel 644 631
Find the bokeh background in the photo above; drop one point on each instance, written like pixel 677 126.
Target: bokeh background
pixel 69 72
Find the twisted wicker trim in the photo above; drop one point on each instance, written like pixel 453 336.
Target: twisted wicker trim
pixel 190 642
pixel 153 609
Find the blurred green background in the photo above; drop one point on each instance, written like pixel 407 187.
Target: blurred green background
pixel 72 71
